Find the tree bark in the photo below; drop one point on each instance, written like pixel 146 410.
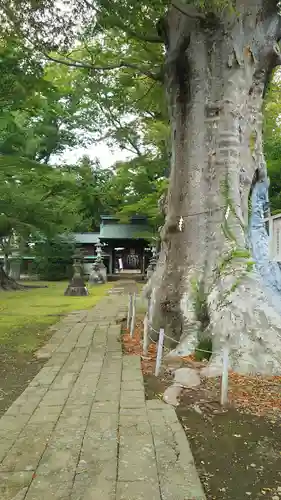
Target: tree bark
pixel 7 283
pixel 6 264
pixel 216 71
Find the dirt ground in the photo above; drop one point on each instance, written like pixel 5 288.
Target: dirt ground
pixel 16 371
pixel 238 456
pixel 237 449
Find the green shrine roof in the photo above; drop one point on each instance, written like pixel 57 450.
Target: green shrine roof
pixel 86 237
pixel 112 229
pixel 124 231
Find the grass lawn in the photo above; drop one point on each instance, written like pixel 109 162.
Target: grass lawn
pixel 26 315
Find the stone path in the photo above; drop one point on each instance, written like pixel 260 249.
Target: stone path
pixel 82 429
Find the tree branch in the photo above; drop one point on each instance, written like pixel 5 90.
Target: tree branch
pixel 140 36
pixel 150 38
pixel 188 10
pixel 157 77
pixel 71 62
pixel 123 127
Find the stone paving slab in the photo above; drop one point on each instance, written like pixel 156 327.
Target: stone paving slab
pixel 14 486
pixel 82 430
pixel 175 463
pixel 137 490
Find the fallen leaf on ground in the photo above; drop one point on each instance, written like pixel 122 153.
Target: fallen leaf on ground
pixel 257 394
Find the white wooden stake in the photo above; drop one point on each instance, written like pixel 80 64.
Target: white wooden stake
pixel 148 309
pixel 133 316
pixel 272 246
pixel 145 334
pixel 129 315
pixel 159 352
pixel 224 379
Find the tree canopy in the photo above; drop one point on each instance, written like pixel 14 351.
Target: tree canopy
pixel 49 106
pixel 84 71
pixel 34 197
pixel 75 72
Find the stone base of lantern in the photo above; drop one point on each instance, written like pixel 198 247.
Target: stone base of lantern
pixel 98 275
pixel 76 288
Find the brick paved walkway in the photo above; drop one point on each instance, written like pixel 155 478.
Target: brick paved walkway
pixel 82 429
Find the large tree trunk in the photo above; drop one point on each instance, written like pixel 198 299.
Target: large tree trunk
pixel 205 283
pixel 7 283
pixel 6 265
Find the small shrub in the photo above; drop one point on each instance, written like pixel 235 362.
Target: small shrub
pixel 205 345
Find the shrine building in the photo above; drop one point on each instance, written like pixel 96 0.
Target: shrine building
pixel 126 248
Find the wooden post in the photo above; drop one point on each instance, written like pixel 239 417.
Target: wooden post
pixel 133 316
pixel 129 315
pixel 141 257
pixel 148 309
pixel 110 261
pixel 159 352
pixel 113 260
pixel 224 379
pixel 145 334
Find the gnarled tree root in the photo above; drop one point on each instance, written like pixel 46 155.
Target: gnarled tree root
pixel 247 322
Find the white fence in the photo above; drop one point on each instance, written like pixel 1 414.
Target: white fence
pixel 131 319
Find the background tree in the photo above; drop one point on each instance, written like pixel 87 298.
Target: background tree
pixel 33 200
pixel 272 138
pixel 37 118
pixel 53 257
pixel 33 197
pixel 93 192
pixel 139 184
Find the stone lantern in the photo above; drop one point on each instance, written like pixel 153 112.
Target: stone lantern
pixel 99 273
pixel 152 263
pixel 77 285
